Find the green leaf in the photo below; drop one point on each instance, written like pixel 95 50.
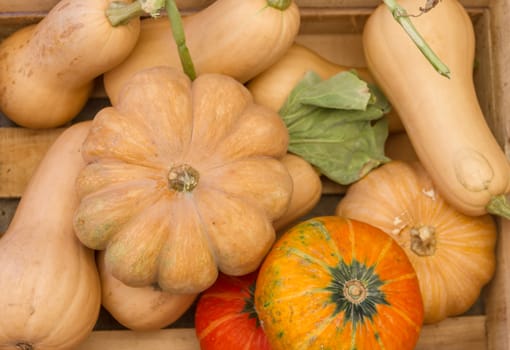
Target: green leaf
pixel 337 125
pixel 342 91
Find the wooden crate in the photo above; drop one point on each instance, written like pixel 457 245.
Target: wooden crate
pixel 332 28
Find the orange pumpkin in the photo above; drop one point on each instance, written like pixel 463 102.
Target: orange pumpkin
pixel 183 179
pixel 334 283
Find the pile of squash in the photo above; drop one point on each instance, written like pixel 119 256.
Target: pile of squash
pixel 183 190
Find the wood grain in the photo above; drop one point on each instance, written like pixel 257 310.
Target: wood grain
pixel 458 333
pixel 21 150
pixel 46 5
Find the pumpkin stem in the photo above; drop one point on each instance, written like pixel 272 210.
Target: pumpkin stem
pixel 120 13
pixel 24 346
pixel 183 178
pixel 279 4
pixel 401 16
pixel 498 205
pixel 423 240
pixel 180 39
pixel 355 291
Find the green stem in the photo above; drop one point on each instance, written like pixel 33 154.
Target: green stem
pixel 400 15
pixel 279 4
pixel 499 206
pixel 119 13
pixel 180 39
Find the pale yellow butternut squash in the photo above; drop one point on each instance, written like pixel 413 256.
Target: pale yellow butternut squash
pixel 442 116
pixel 50 294
pixel 47 70
pixel 232 37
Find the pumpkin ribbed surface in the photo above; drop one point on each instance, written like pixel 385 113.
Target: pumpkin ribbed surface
pixel 334 283
pixel 183 179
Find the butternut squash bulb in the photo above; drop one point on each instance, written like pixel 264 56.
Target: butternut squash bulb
pixel 143 308
pixel 453 254
pixel 50 295
pixel 183 178
pixel 47 70
pixel 306 190
pixel 442 116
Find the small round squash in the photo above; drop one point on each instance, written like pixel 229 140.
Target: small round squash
pixel 183 178
pixel 453 254
pixel 335 283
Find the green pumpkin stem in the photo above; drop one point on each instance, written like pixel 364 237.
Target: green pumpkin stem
pixel 401 16
pixel 180 39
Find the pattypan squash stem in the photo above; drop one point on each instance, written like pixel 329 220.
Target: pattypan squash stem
pixel 180 40
pixel 499 206
pixel 119 13
pixel 401 16
pixel 279 4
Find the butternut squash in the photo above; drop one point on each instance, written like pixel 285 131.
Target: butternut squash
pixel 442 116
pixel 232 37
pixel 47 70
pixel 306 193
pixel 50 295
pixel 272 87
pixel 140 308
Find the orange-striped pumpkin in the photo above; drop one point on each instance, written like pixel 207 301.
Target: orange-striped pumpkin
pixel 335 283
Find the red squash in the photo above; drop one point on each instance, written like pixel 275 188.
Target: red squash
pixel 225 317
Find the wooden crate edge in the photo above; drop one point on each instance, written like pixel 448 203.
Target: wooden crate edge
pixel 465 332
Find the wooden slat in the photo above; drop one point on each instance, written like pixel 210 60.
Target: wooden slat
pixel 498 296
pixel 460 333
pixel 45 5
pixel 174 339
pixel 21 150
pixel 455 333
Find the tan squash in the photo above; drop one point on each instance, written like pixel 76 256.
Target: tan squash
pixel 442 116
pixel 47 70
pixel 272 87
pixel 232 37
pixel 142 308
pixel 306 193
pixel 176 191
pixel 50 296
pixel 150 308
pixel 453 254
